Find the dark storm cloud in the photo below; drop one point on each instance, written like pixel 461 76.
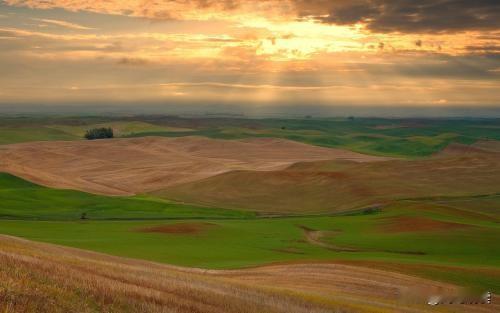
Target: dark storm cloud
pixel 406 15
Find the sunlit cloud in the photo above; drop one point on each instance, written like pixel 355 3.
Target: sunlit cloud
pixel 63 24
pixel 319 51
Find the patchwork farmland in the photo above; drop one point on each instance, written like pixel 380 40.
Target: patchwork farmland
pixel 265 221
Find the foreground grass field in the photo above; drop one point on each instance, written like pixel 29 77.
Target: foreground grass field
pixel 450 240
pixel 36 277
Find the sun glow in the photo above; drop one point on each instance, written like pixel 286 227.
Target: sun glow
pixel 256 44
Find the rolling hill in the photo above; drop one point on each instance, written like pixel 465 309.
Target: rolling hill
pixel 138 165
pixel 340 185
pixel 406 138
pixel 39 277
pixel 22 200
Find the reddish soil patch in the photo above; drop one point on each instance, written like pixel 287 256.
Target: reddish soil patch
pixel 180 228
pixel 402 224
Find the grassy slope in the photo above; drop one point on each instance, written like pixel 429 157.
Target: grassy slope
pixel 23 200
pixel 37 277
pixel 120 128
pixel 44 278
pixel 466 256
pixel 27 134
pixel 17 130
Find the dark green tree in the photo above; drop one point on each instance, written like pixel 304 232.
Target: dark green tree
pixel 99 133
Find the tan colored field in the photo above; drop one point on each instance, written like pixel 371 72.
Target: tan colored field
pixel 339 185
pixel 38 277
pixel 128 166
pixel 490 145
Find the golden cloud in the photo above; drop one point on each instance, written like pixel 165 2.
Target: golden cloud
pixel 267 50
pixel 63 24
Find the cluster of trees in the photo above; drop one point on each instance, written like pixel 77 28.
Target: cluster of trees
pixel 99 133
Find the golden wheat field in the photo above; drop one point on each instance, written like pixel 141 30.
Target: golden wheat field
pixel 37 277
pixel 128 166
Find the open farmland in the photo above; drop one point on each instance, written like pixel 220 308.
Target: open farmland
pixel 129 166
pixel 450 240
pixel 25 200
pixel 249 156
pixel 28 129
pixel 241 214
pixel 340 185
pixel 409 138
pixel 88 282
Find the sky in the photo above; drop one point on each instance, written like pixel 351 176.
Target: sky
pixel 428 53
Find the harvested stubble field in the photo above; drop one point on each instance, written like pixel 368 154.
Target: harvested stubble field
pixel 343 185
pixel 38 277
pixel 138 165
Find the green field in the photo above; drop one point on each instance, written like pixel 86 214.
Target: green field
pixel 451 240
pixel 23 200
pixel 9 135
pixel 394 137
pixel 22 130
